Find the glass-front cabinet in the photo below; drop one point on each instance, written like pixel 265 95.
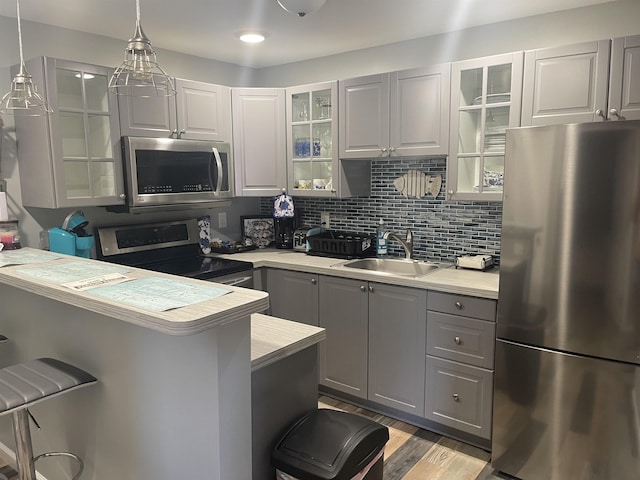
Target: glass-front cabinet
pixel 312 139
pixel 80 139
pixel 485 102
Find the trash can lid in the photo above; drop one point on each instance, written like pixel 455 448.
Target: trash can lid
pixel 329 445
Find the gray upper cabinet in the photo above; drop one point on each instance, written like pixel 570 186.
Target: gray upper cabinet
pixel 72 157
pixel 203 111
pixel 313 166
pixel 403 113
pixel 344 313
pixel 593 81
pixel 397 337
pixel 566 84
pixel 199 111
pixel 624 84
pixel 485 101
pixel 293 295
pixel 259 147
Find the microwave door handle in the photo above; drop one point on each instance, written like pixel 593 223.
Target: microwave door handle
pixel 216 155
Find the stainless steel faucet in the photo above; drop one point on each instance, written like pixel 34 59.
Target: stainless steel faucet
pixel 406 243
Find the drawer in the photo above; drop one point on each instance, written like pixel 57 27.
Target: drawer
pixel 461 339
pixel 482 308
pixel 459 396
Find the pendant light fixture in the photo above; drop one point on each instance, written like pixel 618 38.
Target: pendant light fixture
pixel 301 7
pixel 140 75
pixel 23 98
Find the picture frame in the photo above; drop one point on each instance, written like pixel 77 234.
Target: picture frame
pixel 257 230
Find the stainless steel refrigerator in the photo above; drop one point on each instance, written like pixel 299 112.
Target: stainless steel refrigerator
pixel 567 373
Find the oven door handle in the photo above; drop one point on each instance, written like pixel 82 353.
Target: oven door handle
pixel 216 155
pixel 233 282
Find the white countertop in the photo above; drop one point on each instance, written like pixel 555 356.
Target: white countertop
pixel 188 320
pixel 444 279
pixel 274 338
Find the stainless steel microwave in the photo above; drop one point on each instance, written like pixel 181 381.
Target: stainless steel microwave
pixel 176 173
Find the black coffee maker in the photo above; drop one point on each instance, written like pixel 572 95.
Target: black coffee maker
pixel 284 230
pixel 284 220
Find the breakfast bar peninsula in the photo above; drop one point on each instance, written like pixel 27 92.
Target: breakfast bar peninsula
pixel 172 357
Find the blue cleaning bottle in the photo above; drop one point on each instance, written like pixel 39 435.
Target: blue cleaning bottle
pixel 381 242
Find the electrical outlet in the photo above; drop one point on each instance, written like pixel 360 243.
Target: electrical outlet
pixel 325 221
pixel 222 219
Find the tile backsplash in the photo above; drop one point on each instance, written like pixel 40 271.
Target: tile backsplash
pixel 442 229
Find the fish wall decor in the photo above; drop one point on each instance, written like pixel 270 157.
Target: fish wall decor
pixel 417 184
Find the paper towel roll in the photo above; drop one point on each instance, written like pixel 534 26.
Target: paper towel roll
pixel 4 211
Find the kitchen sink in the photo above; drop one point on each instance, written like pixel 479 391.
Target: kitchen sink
pixel 392 266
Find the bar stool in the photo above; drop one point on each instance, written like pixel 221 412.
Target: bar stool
pixel 25 384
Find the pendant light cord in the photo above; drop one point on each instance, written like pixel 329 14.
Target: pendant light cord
pixel 19 33
pixel 138 12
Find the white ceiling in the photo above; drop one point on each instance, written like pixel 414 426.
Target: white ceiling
pixel 210 28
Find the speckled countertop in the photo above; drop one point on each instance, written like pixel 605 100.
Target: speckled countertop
pixel 191 319
pixel 444 279
pixel 274 338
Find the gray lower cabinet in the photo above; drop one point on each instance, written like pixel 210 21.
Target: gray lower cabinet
pixel 375 341
pixel 293 295
pixel 430 354
pixel 459 396
pixel 397 334
pixel 344 313
pixel 459 362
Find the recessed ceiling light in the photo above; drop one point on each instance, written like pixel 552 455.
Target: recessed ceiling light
pixel 252 37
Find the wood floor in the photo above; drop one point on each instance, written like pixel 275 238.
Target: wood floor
pixel 415 454
pixel 410 454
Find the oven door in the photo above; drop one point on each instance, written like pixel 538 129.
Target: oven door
pixel 170 172
pixel 240 279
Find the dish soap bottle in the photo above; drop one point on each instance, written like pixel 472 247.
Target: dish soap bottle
pixel 381 242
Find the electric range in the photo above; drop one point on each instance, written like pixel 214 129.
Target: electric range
pixel 169 247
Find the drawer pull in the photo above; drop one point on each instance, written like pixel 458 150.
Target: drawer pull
pixel 363 288
pixel 458 341
pixel 456 397
pixel 458 306
pixel 313 281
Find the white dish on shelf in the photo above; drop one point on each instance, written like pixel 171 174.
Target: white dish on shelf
pixel 493 98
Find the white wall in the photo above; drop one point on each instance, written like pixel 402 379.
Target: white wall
pixel 609 20
pixel 591 23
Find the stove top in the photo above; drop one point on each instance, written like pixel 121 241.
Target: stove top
pixel 200 267
pixel 167 247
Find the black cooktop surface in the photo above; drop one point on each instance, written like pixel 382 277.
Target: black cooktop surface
pixel 185 261
pixel 198 267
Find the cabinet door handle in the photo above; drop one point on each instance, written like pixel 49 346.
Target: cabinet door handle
pixel 614 113
pixel 313 281
pixel 456 397
pixel 384 149
pixel 458 306
pixel 173 132
pixel 182 132
pixel 371 289
pixel 363 288
pixel 392 149
pixel 458 340
pixel 600 113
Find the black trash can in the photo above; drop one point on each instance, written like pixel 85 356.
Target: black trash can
pixel 331 445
